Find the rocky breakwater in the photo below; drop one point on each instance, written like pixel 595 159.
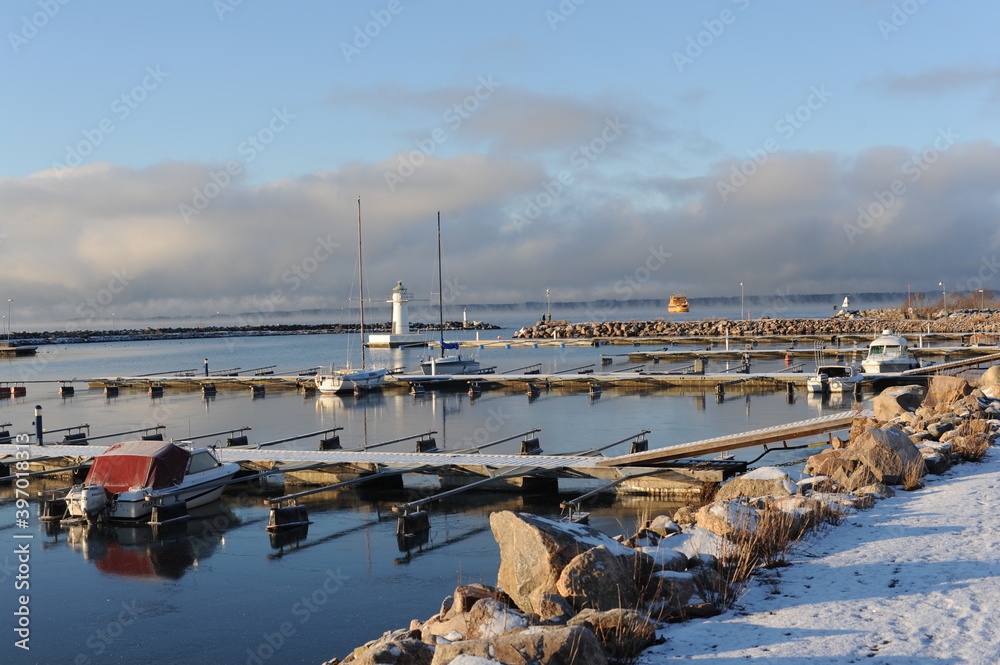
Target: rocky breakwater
pixel 567 593
pixel 864 323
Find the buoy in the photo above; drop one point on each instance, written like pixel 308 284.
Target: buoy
pixel 284 517
pixel 413 523
pixel 428 445
pixel 331 443
pixel 75 439
pixel 530 447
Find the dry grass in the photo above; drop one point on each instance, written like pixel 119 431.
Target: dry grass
pixel 913 475
pixel 767 545
pixel 972 440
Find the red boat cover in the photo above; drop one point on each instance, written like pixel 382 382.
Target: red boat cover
pixel 153 464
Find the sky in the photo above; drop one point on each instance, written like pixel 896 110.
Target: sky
pixel 200 156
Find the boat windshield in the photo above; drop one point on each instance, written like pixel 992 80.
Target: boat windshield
pixel 202 461
pixel 887 350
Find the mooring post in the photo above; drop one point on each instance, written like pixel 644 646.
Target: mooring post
pixel 206 366
pixel 38 424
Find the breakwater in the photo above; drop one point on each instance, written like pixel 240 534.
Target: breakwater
pixel 856 323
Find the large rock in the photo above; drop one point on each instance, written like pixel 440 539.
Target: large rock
pixel 623 634
pixel 765 481
pixel 534 550
pixel 888 453
pixel 944 390
pixel 894 401
pixel 405 651
pixel 600 580
pixel 571 645
pixel 990 377
pixel 727 518
pixel 490 618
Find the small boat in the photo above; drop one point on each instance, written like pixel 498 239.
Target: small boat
pixel 129 478
pixel 982 339
pixel 833 379
pixel 678 303
pixel 888 353
pixel 447 365
pixel 346 380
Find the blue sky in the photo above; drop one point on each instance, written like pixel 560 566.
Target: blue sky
pixel 200 156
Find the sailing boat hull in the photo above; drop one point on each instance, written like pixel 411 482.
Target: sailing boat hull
pixel 346 381
pixel 449 365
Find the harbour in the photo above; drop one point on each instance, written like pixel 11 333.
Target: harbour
pixel 353 536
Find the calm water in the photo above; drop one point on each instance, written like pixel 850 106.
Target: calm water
pixel 220 589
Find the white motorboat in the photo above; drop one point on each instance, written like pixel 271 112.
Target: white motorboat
pixel 836 378
pixel 446 365
pixel 888 353
pixel 129 478
pixel 344 380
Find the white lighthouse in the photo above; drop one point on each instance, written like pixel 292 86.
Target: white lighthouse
pixel 400 315
pixel 400 335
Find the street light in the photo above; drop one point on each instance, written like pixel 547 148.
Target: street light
pixel 944 297
pixel 112 321
pixel 981 303
pixel 742 315
pixel 548 306
pixel 9 301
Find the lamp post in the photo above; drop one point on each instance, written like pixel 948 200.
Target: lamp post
pixel 742 315
pixel 9 301
pixel 548 306
pixel 944 297
pixel 112 321
pixel 982 304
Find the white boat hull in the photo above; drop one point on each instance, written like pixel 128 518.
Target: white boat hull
pixel 449 365
pixel 137 504
pixel 345 381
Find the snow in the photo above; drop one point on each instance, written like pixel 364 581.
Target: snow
pixel 765 473
pixel 916 579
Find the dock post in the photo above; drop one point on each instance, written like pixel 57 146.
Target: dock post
pixel 206 366
pixel 38 425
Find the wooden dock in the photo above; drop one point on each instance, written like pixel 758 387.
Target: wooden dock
pixel 663 470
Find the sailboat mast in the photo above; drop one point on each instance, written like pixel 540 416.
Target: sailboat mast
pixel 361 286
pixel 440 289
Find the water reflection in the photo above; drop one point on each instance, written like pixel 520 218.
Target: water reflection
pixel 144 552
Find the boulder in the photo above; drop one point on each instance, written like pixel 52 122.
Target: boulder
pixel 553 608
pixel 622 633
pixel 990 377
pixel 727 518
pixel 663 526
pixel 598 579
pixel 534 550
pixel 490 618
pixel 665 557
pixel 569 645
pixel 888 453
pixel 673 591
pixel 892 402
pixel 765 481
pixel 944 389
pixel 405 651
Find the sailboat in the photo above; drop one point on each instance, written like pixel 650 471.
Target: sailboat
pixel 446 364
pixel 347 379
